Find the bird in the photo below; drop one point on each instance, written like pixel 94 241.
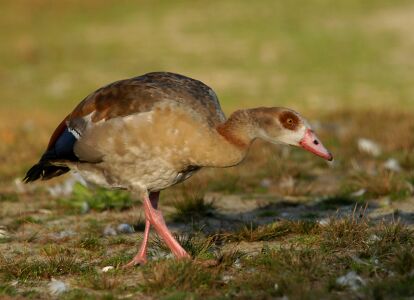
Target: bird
pixel 147 133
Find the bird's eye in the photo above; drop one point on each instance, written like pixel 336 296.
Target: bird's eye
pixel 289 120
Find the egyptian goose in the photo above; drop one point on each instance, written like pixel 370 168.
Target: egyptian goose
pixel 150 132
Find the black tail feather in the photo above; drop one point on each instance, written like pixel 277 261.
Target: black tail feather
pixel 44 170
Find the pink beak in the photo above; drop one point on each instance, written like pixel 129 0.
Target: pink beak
pixel 311 143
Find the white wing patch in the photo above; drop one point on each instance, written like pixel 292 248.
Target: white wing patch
pixel 74 133
pixel 79 125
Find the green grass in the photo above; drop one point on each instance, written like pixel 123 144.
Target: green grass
pixel 171 276
pixel 191 207
pixel 378 252
pixel 7 290
pixel 24 220
pixel 194 243
pixel 90 242
pixel 26 268
pixel 102 281
pixel 9 197
pixel 297 270
pixel 300 268
pixel 118 260
pixel 83 199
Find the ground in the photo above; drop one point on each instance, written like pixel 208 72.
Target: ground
pixel 283 224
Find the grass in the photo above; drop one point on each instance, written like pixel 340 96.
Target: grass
pixel 171 276
pixel 273 231
pixel 9 197
pixel 391 288
pixel 90 242
pixel 25 268
pixel 23 220
pixel 378 252
pixel 385 183
pixel 102 281
pixel 194 243
pixel 7 290
pixel 100 199
pixel 280 224
pixel 297 269
pixel 191 207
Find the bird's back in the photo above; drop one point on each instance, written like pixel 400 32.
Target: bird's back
pixel 141 93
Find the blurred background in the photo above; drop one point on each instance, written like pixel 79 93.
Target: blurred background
pixel 319 57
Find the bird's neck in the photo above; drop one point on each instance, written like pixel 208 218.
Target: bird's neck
pixel 239 129
pixel 237 133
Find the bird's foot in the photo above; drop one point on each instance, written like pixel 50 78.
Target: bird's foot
pixel 136 261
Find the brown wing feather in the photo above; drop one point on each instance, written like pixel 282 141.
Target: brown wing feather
pixel 139 94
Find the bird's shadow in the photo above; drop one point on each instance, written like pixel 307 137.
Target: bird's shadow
pixel 281 209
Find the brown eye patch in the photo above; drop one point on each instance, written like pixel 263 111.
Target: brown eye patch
pixel 289 120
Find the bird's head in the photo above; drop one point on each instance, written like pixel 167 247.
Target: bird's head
pixel 285 126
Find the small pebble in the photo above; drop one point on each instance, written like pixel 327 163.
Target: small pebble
pixel 237 264
pixel 359 193
pixel 373 238
pixel 226 278
pixel 125 228
pixel 351 280
pixel 64 234
pixel 45 211
pixel 109 231
pixel 107 268
pixel 266 182
pixel 324 222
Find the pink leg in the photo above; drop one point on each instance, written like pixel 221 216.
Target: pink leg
pixel 157 220
pixel 141 257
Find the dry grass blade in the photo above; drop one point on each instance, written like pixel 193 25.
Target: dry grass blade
pixel 347 233
pixel 179 275
pixel 253 233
